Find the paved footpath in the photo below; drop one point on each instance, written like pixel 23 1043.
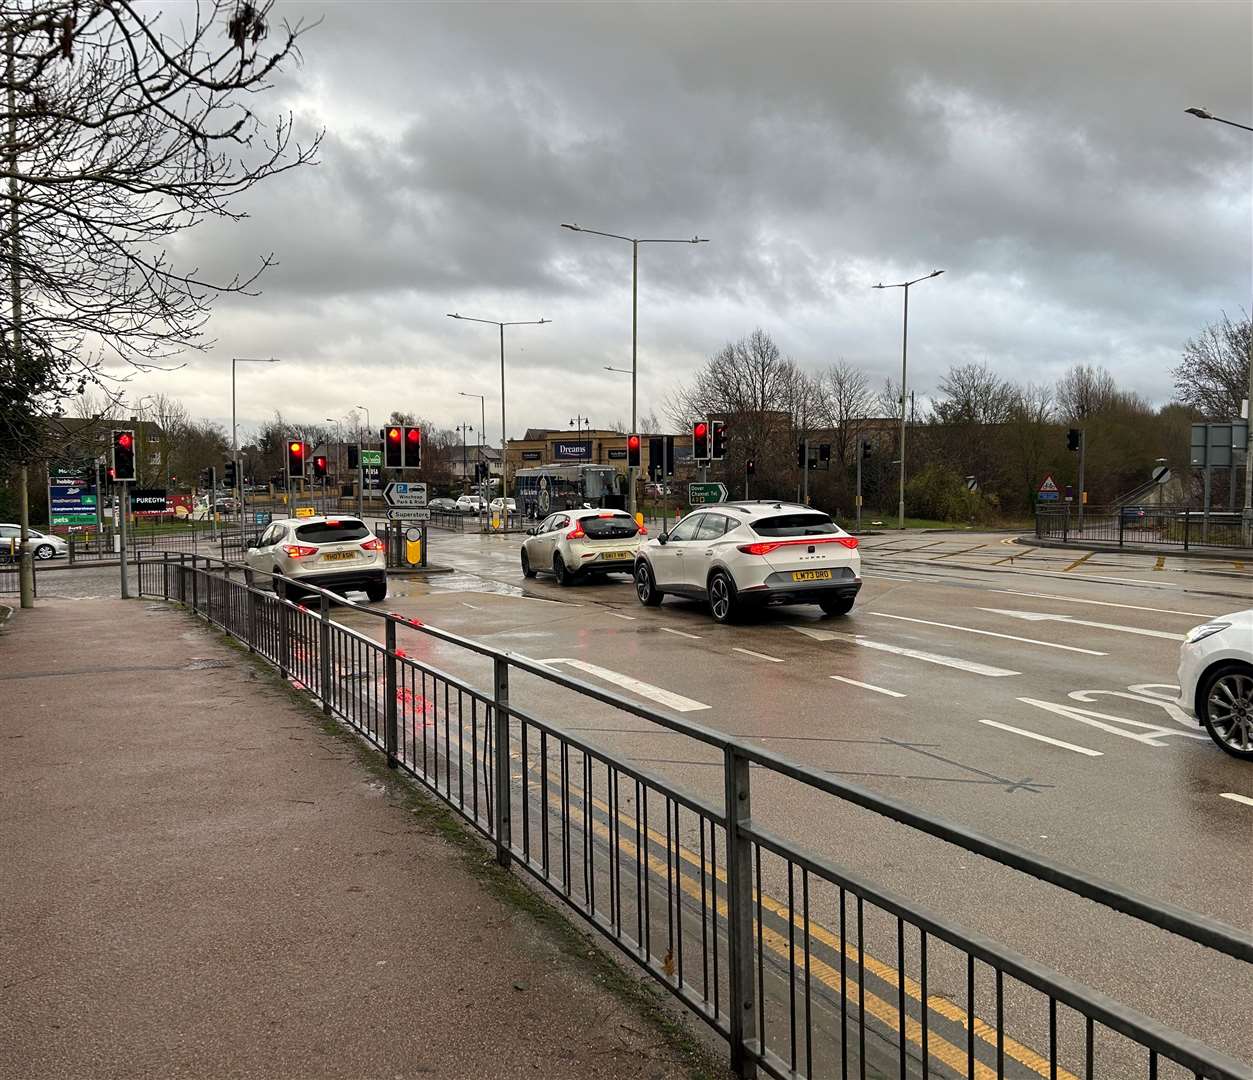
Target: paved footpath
pixel 198 880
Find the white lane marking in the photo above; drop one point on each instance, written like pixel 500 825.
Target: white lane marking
pixel 1150 735
pixel 670 700
pixel 759 655
pixel 1103 603
pixel 1070 620
pixel 680 633
pixel 1043 738
pixel 866 686
pixel 617 616
pixel 473 607
pixel 914 654
pixel 1235 798
pixel 990 633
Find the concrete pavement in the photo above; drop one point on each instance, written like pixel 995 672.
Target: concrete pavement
pixel 201 880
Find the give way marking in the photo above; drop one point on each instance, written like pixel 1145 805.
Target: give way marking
pixel 669 699
pixel 957 662
pixel 1070 620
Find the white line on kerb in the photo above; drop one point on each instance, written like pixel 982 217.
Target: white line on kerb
pixel 759 655
pixel 1235 798
pixel 989 633
pixel 1043 738
pixel 866 686
pixel 680 633
pixel 670 700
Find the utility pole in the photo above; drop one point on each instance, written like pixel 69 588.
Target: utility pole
pixel 805 470
pixel 860 454
pixel 1083 453
pixel 26 567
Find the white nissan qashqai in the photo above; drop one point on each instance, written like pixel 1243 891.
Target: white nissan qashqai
pixel 741 555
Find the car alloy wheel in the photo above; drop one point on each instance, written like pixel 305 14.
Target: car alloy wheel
pixel 45 551
pixel 645 586
pixel 1229 711
pixel 721 597
pixel 526 565
pixel 562 573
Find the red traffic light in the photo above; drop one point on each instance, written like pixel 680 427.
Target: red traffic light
pixel 700 429
pixel 320 462
pixel 414 434
pixel 124 440
pixel 633 443
pixel 394 434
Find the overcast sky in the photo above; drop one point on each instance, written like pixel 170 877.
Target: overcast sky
pixel 1039 154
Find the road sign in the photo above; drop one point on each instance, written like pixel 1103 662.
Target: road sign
pixel 702 494
pixel 1048 484
pixel 402 494
pixel 261 517
pixel 305 511
pixel 1161 474
pixel 372 458
pixel 408 513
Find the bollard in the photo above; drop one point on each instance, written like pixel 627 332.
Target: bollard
pixel 504 778
pixel 741 999
pixel 389 688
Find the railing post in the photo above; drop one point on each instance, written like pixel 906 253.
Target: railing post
pixel 284 636
pixel 71 540
pixel 165 574
pixel 504 779
pixel 1121 525
pixel 1066 527
pixel 741 999
pixel 250 615
pixel 389 688
pixel 1187 526
pixel 195 588
pixel 324 651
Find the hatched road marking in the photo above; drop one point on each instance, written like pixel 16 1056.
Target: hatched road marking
pixel 991 633
pixel 1070 620
pixel 1043 738
pixel 1103 603
pixel 972 666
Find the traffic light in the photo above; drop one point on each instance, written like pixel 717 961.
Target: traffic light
pixel 123 455
pixel 413 448
pixel 393 448
pixel 824 453
pixel 750 467
pixel 1072 439
pixel 319 467
pixel 354 459
pixel 865 450
pixel 633 451
pixel 206 478
pixel 231 478
pixel 295 459
pixel 700 440
pixel 800 455
pixel 717 439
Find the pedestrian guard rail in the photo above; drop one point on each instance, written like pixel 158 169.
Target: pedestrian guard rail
pixel 805 967
pixel 1151 526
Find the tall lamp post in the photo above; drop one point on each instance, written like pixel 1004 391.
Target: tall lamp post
pixel 483 434
pixel 580 424
pixel 339 453
pixel 504 472
pixel 239 479
pixel 1205 114
pixel 635 280
pixel 904 371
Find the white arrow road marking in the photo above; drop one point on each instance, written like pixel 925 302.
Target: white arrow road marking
pixel 670 700
pixel 989 633
pixel 1102 603
pixel 1235 798
pixel 1044 616
pixel 1169 705
pixel 1151 735
pixel 867 686
pixel 914 654
pixel 1043 738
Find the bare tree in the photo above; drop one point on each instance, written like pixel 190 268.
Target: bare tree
pixel 845 401
pixel 1085 391
pixel 1213 375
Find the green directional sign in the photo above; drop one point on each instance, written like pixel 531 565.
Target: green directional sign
pixel 372 458
pixel 701 494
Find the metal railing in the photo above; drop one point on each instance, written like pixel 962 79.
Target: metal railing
pixel 1153 526
pixel 806 968
pixel 11 574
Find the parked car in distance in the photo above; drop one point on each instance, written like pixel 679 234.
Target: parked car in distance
pixel 441 505
pixel 575 544
pixel 41 545
pixel 499 504
pixel 339 553
pixel 742 555
pixel 1216 680
pixel 1132 515
pixel 469 504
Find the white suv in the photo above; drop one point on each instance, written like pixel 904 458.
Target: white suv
pixel 744 554
pixel 582 543
pixel 332 553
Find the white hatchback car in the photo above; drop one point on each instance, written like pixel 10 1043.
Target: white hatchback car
pixel 40 544
pixel 575 544
pixel 332 553
pixel 469 504
pixel 744 554
pixel 1216 680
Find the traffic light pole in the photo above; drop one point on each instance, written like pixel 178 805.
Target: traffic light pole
pixel 1083 452
pixel 120 510
pixel 860 453
pixel 805 472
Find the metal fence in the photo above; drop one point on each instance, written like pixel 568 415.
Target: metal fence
pixel 806 968
pixel 1152 526
pixel 10 576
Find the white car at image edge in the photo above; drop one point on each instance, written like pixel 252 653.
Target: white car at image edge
pixel 40 544
pixel 1216 680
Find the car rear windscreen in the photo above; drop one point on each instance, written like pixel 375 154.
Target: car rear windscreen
pixel 609 527
pixel 794 525
pixel 332 532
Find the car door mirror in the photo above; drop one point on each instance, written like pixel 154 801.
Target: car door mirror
pixel 663 538
pixel 252 551
pixel 530 532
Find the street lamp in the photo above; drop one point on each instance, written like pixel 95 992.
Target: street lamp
pixel 904 393
pixel 367 417
pixel 504 475
pixel 483 433
pixel 579 423
pixel 239 479
pixel 1205 114
pixel 635 278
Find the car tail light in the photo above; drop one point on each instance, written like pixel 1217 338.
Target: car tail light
pixel 374 545
pixel 298 551
pixel 576 533
pixel 765 547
